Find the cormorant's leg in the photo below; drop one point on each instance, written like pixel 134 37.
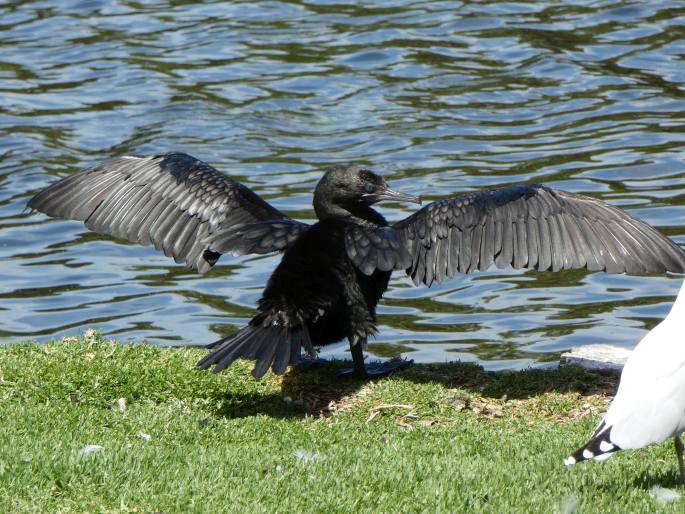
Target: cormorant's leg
pixel 372 370
pixel 357 351
pixel 679 452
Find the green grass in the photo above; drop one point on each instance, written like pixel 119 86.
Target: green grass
pixel 436 438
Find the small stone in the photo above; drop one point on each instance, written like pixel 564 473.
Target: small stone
pixel 495 412
pixel 597 357
pixel 458 402
pixel 403 425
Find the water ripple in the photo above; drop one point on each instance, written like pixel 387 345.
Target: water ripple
pixel 445 97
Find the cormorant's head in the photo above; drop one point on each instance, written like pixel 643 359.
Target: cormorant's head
pixel 354 186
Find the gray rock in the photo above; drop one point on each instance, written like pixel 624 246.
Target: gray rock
pixel 596 357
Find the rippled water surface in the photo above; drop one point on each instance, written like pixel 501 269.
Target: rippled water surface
pixel 444 97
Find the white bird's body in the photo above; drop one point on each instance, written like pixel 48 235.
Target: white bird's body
pixel 649 406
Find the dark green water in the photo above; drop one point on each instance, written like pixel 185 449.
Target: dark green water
pixel 445 97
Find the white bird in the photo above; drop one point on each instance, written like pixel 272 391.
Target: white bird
pixel 649 406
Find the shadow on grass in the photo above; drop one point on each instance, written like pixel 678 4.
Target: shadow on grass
pixel 514 384
pixel 241 405
pixel 317 391
pixel 303 393
pixel 667 478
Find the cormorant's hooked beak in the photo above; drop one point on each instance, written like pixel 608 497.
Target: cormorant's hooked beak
pixel 385 193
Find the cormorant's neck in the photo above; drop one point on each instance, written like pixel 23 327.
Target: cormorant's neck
pixel 357 213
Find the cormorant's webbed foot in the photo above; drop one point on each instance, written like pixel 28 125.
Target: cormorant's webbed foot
pixel 375 369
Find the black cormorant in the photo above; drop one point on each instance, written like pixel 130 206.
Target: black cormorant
pixel 333 272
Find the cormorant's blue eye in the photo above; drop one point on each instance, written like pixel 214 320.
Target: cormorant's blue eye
pixel 369 188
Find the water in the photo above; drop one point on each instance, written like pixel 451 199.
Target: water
pixel 444 97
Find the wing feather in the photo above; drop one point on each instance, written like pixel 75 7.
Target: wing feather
pixel 476 236
pixel 533 238
pixel 487 247
pixel 594 258
pixel 506 254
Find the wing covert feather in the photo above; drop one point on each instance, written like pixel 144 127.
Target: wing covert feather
pixel 371 248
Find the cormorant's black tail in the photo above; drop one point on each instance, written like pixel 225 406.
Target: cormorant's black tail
pixel 599 447
pixel 272 346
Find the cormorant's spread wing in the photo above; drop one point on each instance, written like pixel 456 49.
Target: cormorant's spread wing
pixel 531 227
pixel 371 248
pixel 173 201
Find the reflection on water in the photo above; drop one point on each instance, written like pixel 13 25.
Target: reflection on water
pixel 445 97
